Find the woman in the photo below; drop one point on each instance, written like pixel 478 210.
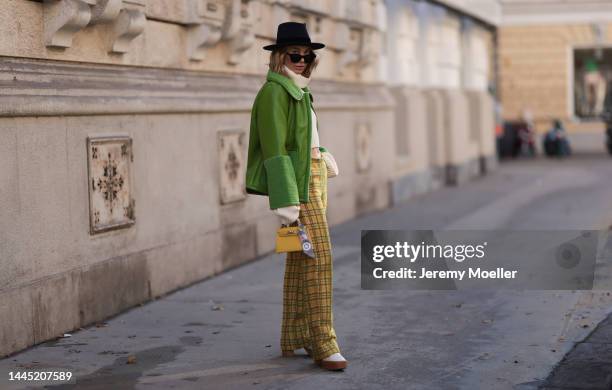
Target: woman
pixel 287 163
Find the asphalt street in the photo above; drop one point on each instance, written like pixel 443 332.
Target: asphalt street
pixel 223 333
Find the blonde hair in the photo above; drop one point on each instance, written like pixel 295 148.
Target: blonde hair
pixel 277 62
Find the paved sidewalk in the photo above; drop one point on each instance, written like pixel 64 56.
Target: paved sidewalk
pixel 223 333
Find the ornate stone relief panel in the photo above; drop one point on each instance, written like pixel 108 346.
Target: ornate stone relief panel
pixel 110 183
pixel 232 165
pixel 363 138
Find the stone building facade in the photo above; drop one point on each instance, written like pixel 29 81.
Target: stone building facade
pixel 124 125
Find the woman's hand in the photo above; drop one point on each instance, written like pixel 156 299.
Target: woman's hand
pixel 330 162
pixel 288 214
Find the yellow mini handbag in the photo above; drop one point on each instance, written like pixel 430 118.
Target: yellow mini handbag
pixel 288 238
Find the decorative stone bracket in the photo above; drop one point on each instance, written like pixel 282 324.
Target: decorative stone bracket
pixel 356 47
pixel 368 52
pixel 130 24
pixel 65 18
pixel 238 29
pixel 205 30
pixel 220 20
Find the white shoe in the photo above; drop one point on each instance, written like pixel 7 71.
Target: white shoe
pixel 337 357
pixel 333 362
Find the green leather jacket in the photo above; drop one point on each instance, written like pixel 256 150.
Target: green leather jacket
pixel 278 162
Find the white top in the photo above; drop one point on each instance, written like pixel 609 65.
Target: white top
pixel 315 132
pixel 302 82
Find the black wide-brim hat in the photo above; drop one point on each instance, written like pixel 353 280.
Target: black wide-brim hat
pixel 293 33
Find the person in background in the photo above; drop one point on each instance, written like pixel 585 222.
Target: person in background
pixel 526 134
pixel 555 140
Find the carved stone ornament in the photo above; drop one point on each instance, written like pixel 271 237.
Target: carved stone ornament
pixel 199 38
pixel 215 21
pixel 239 29
pixel 110 183
pixel 64 18
pixel 205 28
pixel 356 46
pixel 105 11
pixel 345 41
pixel 129 24
pixel 232 165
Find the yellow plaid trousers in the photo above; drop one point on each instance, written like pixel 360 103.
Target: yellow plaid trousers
pixel 307 287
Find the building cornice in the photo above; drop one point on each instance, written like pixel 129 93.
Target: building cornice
pixel 51 88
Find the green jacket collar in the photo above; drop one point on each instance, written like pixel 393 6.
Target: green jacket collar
pixel 296 92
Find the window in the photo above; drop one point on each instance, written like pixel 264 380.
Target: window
pixel 592 71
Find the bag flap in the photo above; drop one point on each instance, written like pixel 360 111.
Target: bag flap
pixel 288 231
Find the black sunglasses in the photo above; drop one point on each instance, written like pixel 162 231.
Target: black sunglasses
pixel 308 58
